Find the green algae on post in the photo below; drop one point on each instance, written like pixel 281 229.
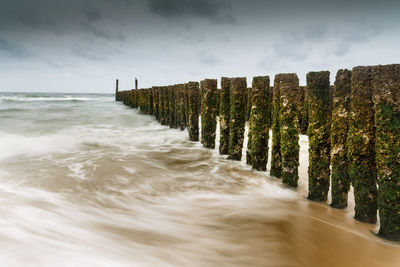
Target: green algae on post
pixel 171 106
pixel 339 129
pixel 166 105
pixel 289 127
pixel 258 126
pixel 237 118
pixel 319 135
pixel 194 108
pixel 386 98
pixel 209 112
pixel 361 145
pixel 181 107
pixel 224 112
pixel 276 159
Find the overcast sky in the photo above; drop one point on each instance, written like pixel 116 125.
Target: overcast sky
pixel 83 46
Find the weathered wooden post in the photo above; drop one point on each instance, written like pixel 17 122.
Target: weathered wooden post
pixel 181 105
pixel 166 105
pixel 171 106
pixel 161 97
pixel 224 113
pixel 237 117
pixel 248 103
pixel 259 119
pixel 209 111
pixel 276 158
pixel 361 145
pixel 177 106
pixel 186 104
pixel 386 97
pixel 289 92
pixel 339 128
pixel 194 109
pixel 319 135
pixel 146 101
pixel 116 90
pixel 156 99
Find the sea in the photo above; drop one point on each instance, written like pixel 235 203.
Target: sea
pixel 87 181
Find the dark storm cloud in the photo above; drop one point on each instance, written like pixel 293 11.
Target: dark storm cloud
pixel 92 13
pixel 217 10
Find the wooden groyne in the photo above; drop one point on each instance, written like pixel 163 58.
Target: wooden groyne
pixel 353 128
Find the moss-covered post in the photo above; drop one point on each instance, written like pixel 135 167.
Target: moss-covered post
pixel 177 106
pixel 181 105
pixel 339 128
pixel 161 103
pixel 224 112
pixel 276 158
pixel 186 104
pixel 166 105
pixel 248 103
pixel 361 145
pixel 156 111
pixel 386 92
pixel 258 126
pixel 209 112
pixel 237 117
pixel 194 109
pixel 289 92
pixel 319 135
pixel 131 103
pixel 171 106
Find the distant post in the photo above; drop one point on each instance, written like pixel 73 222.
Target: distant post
pixel 116 90
pixel 136 84
pixel 194 107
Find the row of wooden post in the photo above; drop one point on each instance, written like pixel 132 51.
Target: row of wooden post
pixel 353 129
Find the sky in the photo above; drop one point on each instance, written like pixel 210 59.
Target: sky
pixel 84 45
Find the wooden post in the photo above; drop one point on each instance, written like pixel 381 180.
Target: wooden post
pixel 339 129
pixel 224 113
pixel 171 106
pixel 209 110
pixel 361 145
pixel 258 126
pixel 116 90
pixel 386 97
pixel 289 123
pixel 276 159
pixel 319 135
pixel 194 108
pixel 237 117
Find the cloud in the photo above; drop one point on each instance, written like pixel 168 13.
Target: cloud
pixel 14 49
pixel 92 13
pixel 216 10
pixel 207 58
pixel 102 33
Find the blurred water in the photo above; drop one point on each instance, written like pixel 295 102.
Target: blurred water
pixel 86 181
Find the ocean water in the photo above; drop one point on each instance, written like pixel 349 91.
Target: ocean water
pixel 87 181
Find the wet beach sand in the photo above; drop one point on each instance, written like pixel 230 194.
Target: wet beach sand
pixel 85 181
